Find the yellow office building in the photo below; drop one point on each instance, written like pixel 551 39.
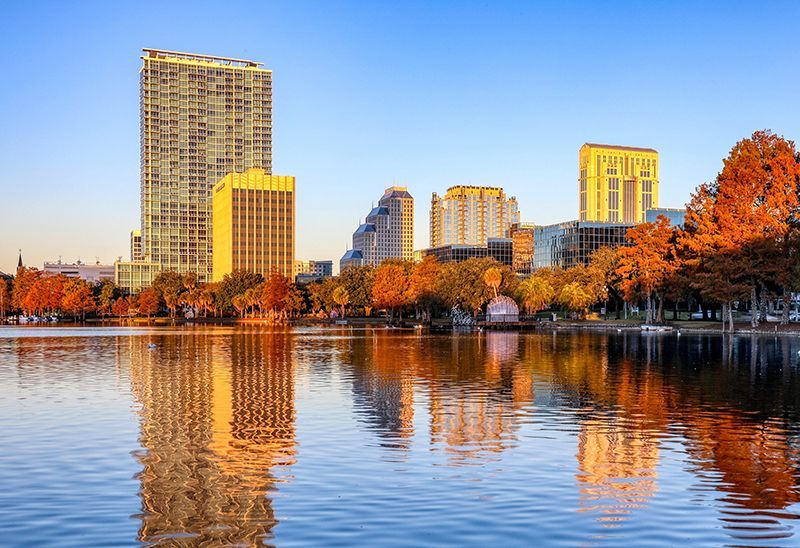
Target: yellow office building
pixel 617 184
pixel 253 224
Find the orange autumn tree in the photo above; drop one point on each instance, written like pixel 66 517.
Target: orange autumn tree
pixel 77 299
pixel 23 283
pixel 647 264
pixel 274 292
pixel 147 302
pixel 424 285
pixel 391 288
pixel 738 227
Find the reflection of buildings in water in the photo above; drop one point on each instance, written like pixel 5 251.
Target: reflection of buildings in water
pixel 473 411
pixel 214 422
pixel 383 370
pixel 617 468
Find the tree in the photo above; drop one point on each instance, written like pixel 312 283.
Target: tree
pixel 168 285
pixel 5 298
pixel 295 300
pixel 121 307
pixel 602 275
pixel 575 298
pixel 424 282
pixel 77 299
pixel 392 288
pixel 147 302
pixel 107 292
pixel 536 292
pixel 274 292
pixel 647 264
pixel 358 280
pixel 493 277
pixel 341 297
pixel 462 284
pixel 23 283
pixel 233 284
pixel 737 227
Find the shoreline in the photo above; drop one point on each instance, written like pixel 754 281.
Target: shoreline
pixel 675 327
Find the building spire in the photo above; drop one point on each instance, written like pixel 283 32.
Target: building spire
pixel 19 262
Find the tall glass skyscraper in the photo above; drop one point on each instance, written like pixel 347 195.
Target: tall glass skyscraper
pixel 202 117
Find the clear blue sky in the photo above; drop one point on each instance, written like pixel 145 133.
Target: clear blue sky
pixel 425 94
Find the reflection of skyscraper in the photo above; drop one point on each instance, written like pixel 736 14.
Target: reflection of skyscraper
pixel 215 424
pixel 617 468
pixel 473 407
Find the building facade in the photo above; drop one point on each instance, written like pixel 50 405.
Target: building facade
pixel 521 235
pixel 94 273
pixel 565 245
pixel 254 224
pixel 500 249
pixel 312 271
pixel 470 215
pixel 201 117
pixel 616 184
pixel 387 233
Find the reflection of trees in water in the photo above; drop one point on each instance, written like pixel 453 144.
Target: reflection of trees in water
pixel 215 419
pixel 469 384
pixel 735 402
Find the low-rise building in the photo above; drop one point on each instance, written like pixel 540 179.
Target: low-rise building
pixel 312 271
pixel 565 245
pixel 500 249
pixel 94 273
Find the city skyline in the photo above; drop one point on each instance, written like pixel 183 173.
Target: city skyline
pixel 525 121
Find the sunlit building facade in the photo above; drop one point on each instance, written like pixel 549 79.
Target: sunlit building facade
pixel 387 232
pixel 471 215
pixel 254 226
pixel 202 117
pixel 521 235
pixel 616 184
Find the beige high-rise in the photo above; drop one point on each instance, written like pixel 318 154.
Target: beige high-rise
pixel 471 215
pixel 202 117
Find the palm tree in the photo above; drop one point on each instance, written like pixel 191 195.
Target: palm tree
pixel 493 277
pixel 341 297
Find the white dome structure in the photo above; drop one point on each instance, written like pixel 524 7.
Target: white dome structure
pixel 502 309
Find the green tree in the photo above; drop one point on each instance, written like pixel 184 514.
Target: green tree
pixel 233 284
pixel 536 292
pixel 341 297
pixel 358 280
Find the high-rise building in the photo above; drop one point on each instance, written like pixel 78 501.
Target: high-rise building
pixel 202 117
pixel 253 224
pixel 470 215
pixel 616 184
pixel 387 233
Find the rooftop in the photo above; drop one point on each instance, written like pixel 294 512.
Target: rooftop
pixel 163 53
pixel 620 147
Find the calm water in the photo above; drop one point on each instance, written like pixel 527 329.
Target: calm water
pixel 224 436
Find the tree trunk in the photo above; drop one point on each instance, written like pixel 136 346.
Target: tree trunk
pixel 724 316
pixel 787 302
pixel 660 313
pixel 753 307
pixel 730 316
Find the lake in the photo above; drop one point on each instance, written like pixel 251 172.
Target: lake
pixel 340 436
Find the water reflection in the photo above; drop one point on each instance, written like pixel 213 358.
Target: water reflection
pixel 218 421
